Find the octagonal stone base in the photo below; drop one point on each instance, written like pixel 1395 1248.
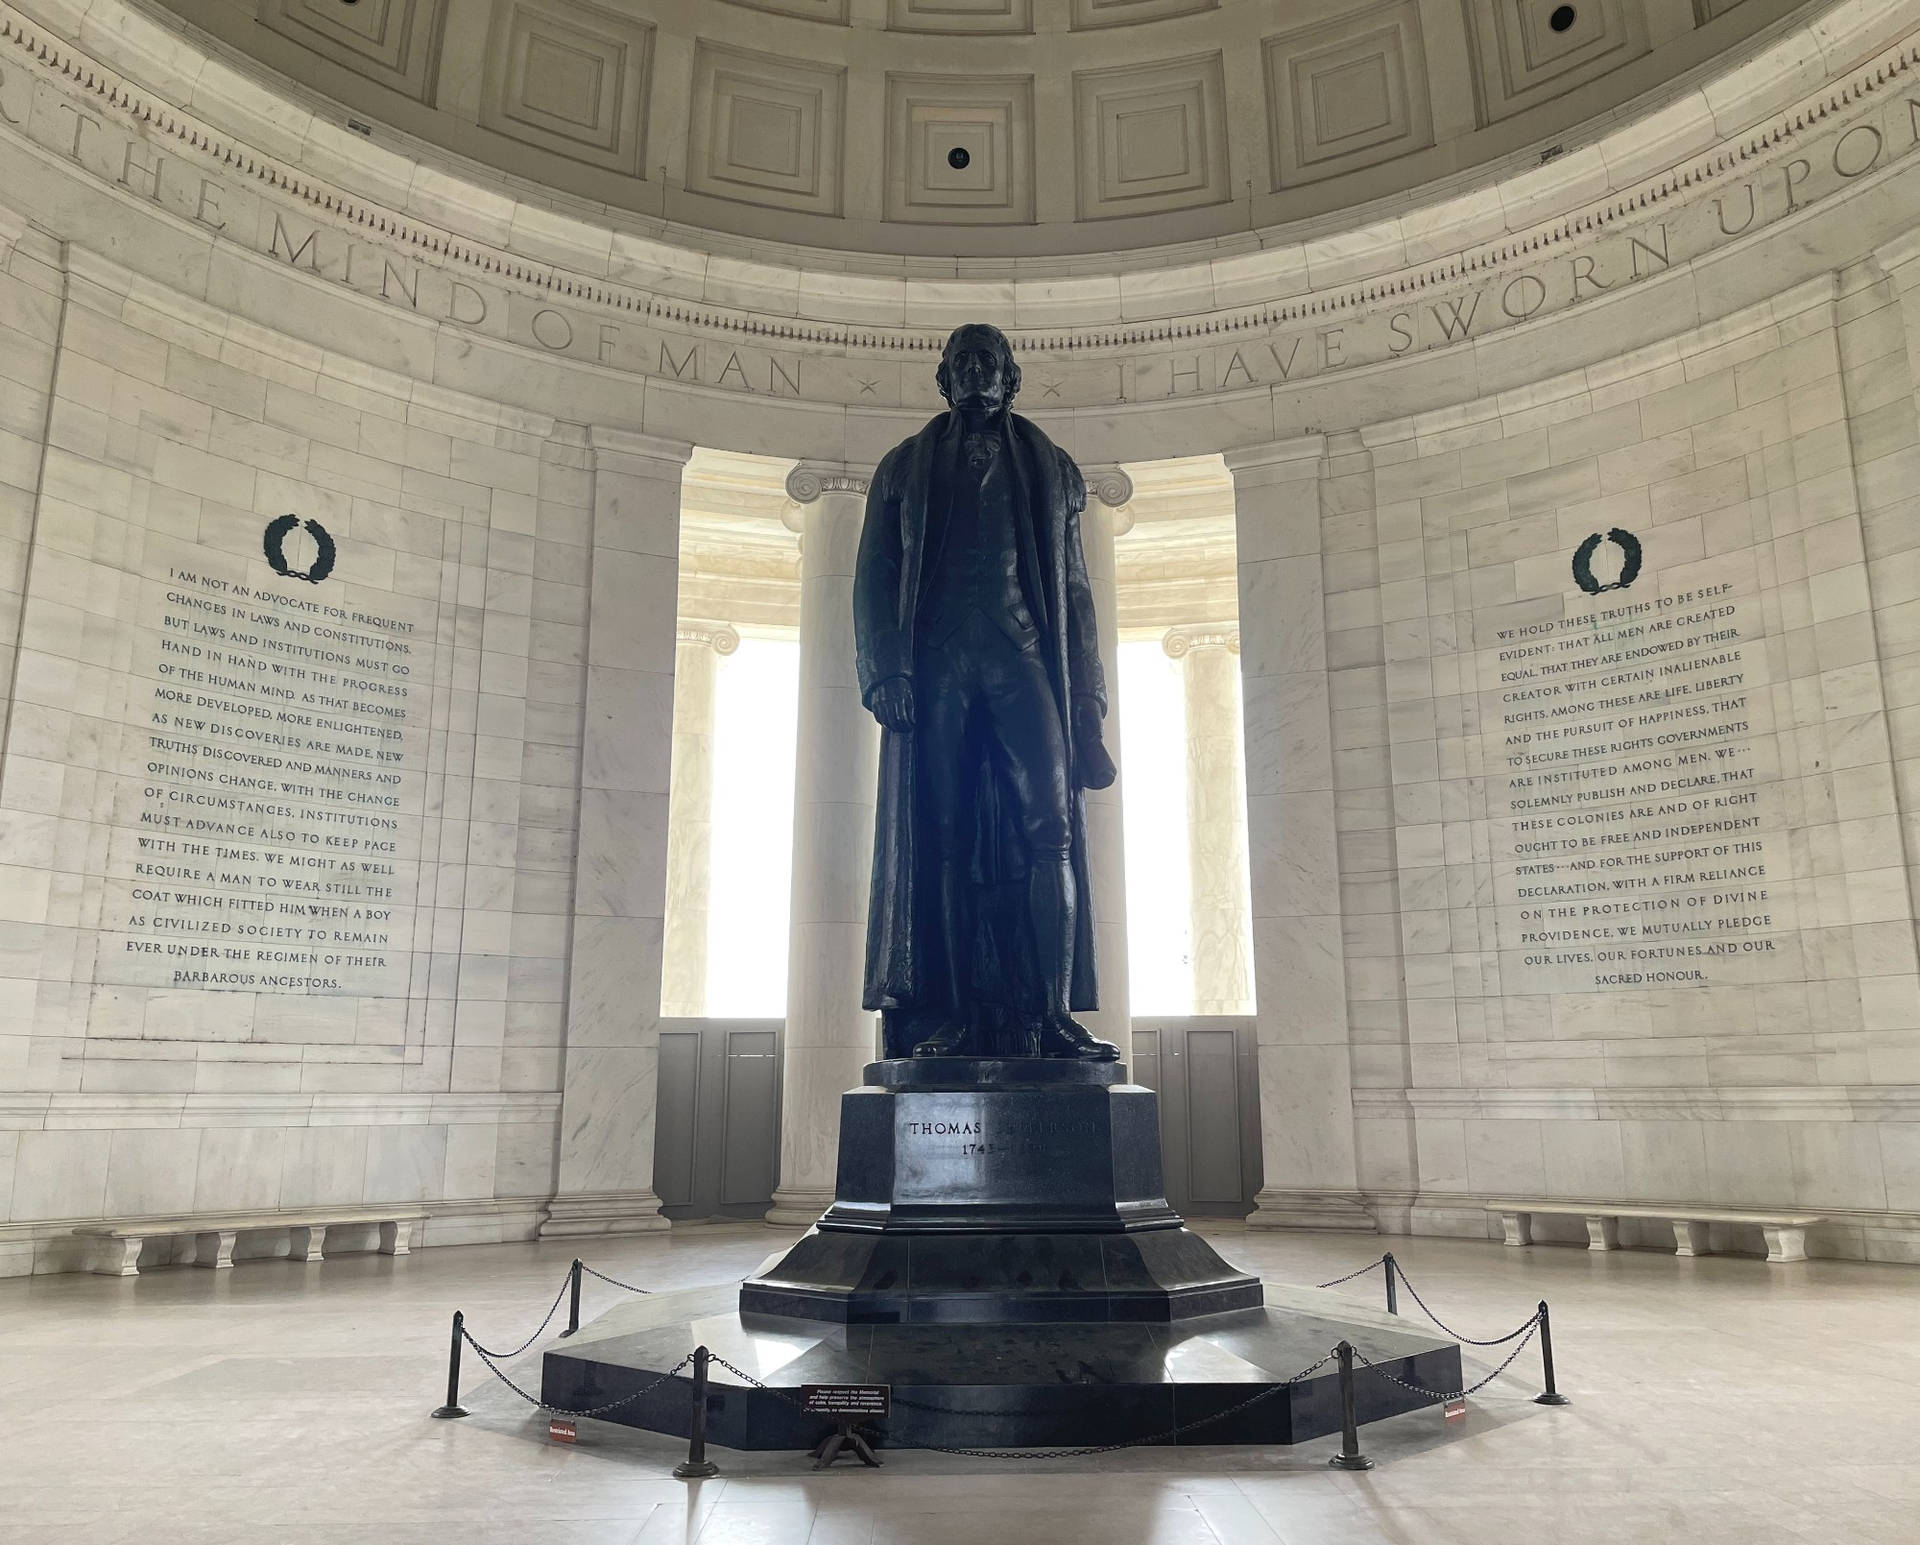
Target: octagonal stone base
pixel 1019 1386
pixel 973 1191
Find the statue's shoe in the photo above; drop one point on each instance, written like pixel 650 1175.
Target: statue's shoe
pixel 1069 1038
pixel 942 1043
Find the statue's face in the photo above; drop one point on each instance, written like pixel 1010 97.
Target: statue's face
pixel 977 371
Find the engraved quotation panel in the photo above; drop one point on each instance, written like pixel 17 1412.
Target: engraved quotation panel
pixel 269 834
pixel 1633 797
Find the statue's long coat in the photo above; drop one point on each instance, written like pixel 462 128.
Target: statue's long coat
pixel 906 521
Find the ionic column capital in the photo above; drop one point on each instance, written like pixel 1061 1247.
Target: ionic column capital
pixel 1196 637
pixel 721 637
pixel 810 479
pixel 1111 486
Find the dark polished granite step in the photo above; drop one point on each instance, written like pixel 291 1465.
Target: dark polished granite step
pixel 1002 1386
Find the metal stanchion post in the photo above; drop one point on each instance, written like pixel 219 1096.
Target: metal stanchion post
pixel 1349 1457
pixel 1549 1396
pixel 453 1406
pixel 1393 1288
pixel 573 1307
pixel 697 1466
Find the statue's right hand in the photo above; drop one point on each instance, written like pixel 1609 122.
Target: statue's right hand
pixel 892 704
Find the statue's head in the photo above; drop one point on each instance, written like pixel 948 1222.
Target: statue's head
pixel 977 371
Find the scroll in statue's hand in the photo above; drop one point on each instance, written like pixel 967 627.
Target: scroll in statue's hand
pixel 892 704
pixel 1093 767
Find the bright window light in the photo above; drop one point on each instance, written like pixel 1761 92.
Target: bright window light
pixel 1153 731
pixel 756 697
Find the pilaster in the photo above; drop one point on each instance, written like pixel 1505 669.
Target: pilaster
pixel 1306 1081
pixel 611 1068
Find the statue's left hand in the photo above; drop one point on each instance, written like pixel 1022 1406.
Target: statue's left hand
pixel 1093 767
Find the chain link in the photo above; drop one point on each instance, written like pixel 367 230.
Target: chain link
pixel 1352 1274
pixel 1523 1336
pixel 612 1405
pixel 552 1310
pixel 1469 1340
pixel 612 1281
pixel 1526 1334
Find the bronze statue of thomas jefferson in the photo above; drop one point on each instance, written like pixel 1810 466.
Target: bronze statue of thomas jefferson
pixel 977 653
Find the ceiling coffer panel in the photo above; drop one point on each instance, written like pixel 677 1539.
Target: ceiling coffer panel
pixel 1527 52
pixel 1151 138
pixel 960 149
pixel 766 130
pixel 833 12
pixel 1346 94
pixel 572 79
pixel 1128 13
pixel 960 18
pixel 394 43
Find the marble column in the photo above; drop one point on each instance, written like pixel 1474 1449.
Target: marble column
pixel 610 1074
pixel 1306 1080
pixel 1106 519
pixel 829 1037
pixel 696 668
pixel 1222 947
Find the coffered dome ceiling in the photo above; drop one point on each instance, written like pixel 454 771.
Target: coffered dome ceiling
pixel 986 127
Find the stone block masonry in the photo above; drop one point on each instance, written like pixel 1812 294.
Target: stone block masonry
pixel 291 777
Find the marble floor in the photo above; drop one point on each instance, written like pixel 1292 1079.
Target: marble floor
pixel 1715 1399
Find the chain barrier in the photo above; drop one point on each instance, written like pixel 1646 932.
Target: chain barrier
pixel 552 1309
pixel 612 1405
pixel 1352 1274
pixel 1526 1334
pixel 1468 1340
pixel 1523 1336
pixel 507 1357
pixel 612 1281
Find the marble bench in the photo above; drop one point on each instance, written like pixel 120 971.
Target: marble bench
pixel 1786 1232
pixel 117 1245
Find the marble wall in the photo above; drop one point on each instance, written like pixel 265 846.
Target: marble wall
pixel 1690 339
pixel 146 796
pixel 1645 933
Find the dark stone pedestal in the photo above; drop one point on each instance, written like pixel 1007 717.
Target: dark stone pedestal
pixel 987 1192
pixel 1000 1251
pixel 1001 1386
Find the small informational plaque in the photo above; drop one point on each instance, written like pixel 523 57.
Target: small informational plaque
pixel 838 1400
pixel 1456 1410
pixel 562 1430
